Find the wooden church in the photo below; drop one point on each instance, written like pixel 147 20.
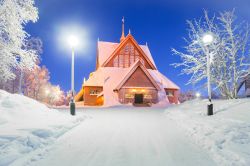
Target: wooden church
pixel 126 73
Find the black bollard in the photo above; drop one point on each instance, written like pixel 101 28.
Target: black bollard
pixel 72 108
pixel 210 109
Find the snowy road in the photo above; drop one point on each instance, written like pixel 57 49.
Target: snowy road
pixel 125 138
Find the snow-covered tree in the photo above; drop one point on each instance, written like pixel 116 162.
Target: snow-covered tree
pixel 186 96
pixel 35 80
pixel 229 52
pixel 54 95
pixel 14 15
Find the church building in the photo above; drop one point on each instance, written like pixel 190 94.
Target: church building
pixel 126 74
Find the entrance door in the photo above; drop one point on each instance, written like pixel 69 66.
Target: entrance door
pixel 138 98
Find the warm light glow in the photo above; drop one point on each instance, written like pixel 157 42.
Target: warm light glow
pixel 143 90
pixel 73 41
pixel 46 91
pixel 198 95
pixel 133 90
pixel 208 38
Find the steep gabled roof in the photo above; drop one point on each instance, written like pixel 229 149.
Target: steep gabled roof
pixel 131 70
pixel 163 80
pixel 107 50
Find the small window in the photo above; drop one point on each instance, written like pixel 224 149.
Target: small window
pixel 121 60
pixel 148 97
pixel 170 93
pixel 116 62
pixel 94 92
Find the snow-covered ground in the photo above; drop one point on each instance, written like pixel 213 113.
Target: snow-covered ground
pixel 225 135
pixel 31 134
pixel 27 127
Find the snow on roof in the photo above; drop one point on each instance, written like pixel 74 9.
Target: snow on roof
pixel 96 78
pixel 148 53
pixel 162 80
pixel 105 50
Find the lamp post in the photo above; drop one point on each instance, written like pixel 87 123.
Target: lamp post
pixel 208 39
pixel 73 41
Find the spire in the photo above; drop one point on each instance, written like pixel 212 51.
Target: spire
pixel 122 36
pixel 129 32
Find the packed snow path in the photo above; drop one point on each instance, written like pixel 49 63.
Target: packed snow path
pixel 124 137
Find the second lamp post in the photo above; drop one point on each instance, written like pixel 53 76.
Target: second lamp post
pixel 73 42
pixel 208 39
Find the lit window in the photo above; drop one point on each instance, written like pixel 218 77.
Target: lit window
pixel 148 97
pixel 129 96
pixel 94 92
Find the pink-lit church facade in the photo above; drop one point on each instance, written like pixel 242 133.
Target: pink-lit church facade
pixel 126 73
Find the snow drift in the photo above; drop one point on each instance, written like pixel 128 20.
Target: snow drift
pixel 225 135
pixel 27 125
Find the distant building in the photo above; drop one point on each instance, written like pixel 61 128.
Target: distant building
pixel 246 82
pixel 126 73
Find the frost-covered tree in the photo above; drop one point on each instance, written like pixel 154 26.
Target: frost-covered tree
pixel 55 96
pixel 14 15
pixel 34 82
pixel 229 52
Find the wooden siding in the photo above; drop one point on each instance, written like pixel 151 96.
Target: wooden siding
pixel 126 95
pixel 90 99
pixel 138 83
pixel 138 79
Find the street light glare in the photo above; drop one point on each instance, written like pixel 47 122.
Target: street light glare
pixel 207 38
pixel 73 41
pixel 46 91
pixel 198 95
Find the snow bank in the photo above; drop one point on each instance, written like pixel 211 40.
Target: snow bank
pixel 27 126
pixel 225 135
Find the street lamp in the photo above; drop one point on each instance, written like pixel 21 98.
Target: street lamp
pixel 198 95
pixel 208 39
pixel 73 42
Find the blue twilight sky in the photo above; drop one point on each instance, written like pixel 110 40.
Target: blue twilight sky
pixel 162 24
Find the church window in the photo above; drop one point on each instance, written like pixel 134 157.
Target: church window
pixel 121 60
pixel 127 56
pixel 116 64
pixel 94 92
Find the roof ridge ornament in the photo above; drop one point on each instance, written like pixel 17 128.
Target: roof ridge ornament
pixel 122 36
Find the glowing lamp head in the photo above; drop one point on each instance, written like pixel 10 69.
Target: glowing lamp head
pixel 207 38
pixel 73 41
pixel 198 95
